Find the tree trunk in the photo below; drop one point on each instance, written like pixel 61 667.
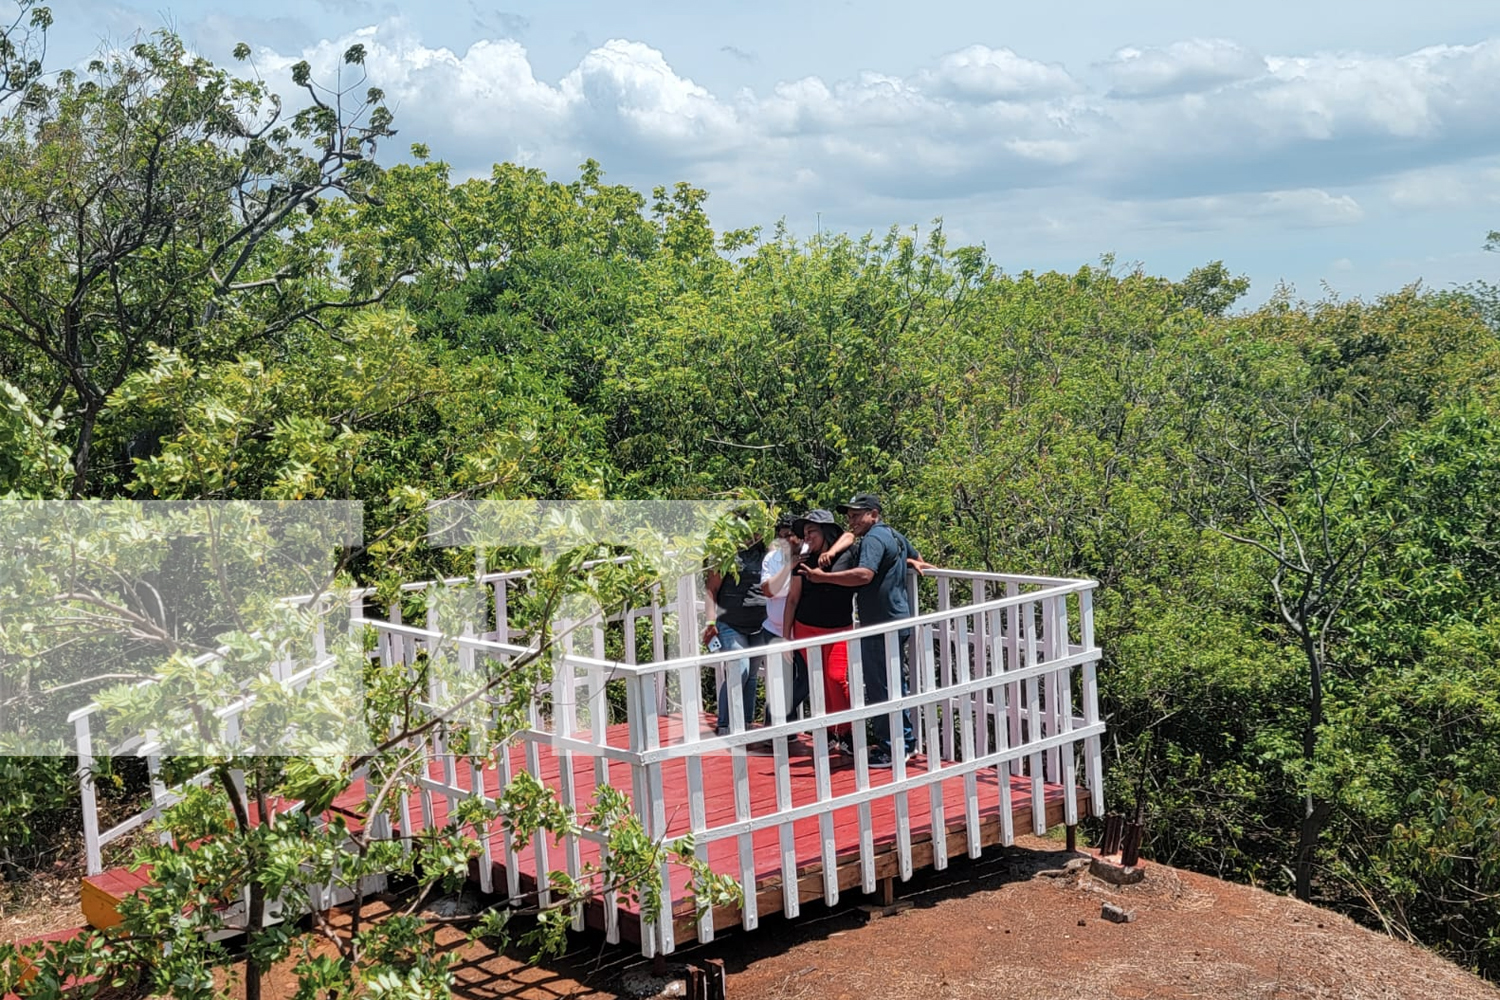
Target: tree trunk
pixel 83 448
pixel 255 920
pixel 1315 811
pixel 1315 814
pixel 256 910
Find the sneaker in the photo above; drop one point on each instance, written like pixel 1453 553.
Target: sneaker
pixel 843 745
pixel 880 757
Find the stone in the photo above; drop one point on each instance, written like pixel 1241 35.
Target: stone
pixel 1116 914
pixel 465 904
pixel 1115 874
pixel 643 982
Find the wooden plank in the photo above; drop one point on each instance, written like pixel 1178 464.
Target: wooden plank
pixel 759 784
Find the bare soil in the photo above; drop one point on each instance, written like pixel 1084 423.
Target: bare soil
pixel 44 902
pixel 998 929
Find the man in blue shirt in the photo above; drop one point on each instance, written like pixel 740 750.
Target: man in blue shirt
pixel 880 596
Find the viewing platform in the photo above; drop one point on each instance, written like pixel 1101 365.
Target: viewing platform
pixel 1003 702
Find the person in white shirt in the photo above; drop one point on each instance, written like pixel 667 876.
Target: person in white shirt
pixel 775 582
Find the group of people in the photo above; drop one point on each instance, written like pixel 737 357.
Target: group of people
pixel 808 584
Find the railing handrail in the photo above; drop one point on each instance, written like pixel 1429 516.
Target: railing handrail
pixel 939 572
pixel 1003 661
pixel 869 710
pixel 699 660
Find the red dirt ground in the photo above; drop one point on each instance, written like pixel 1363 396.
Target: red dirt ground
pixel 995 929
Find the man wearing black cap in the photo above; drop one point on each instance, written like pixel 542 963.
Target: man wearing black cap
pixel 880 596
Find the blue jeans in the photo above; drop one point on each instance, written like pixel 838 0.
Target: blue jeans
pixel 799 699
pixel 872 662
pixel 744 671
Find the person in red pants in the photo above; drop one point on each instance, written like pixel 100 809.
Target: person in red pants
pixel 819 609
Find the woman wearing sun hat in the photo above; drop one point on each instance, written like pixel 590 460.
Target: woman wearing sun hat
pixel 825 609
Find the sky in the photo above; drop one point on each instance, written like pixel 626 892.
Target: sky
pixel 1344 148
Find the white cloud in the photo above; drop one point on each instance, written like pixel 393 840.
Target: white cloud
pixel 1194 137
pixel 631 84
pixel 1310 208
pixel 1193 65
pixel 487 97
pixel 1281 210
pixel 1416 96
pixel 979 73
pixel 1447 187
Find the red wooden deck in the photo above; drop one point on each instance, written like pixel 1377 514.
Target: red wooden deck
pixel 723 854
pixel 718 787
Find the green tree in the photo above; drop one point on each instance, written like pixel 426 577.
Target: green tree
pixel 1415 845
pixel 1211 290
pixel 157 199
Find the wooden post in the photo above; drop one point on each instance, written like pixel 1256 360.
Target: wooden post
pixel 93 849
pixel 714 975
pixel 1130 850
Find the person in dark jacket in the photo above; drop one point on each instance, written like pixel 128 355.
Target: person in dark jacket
pixel 736 611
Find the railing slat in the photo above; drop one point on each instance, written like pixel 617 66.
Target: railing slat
pixel 822 778
pixel 1034 735
pixel 965 647
pixel 862 769
pixel 926 666
pixel 1064 685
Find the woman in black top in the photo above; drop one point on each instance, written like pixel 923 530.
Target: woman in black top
pixel 824 609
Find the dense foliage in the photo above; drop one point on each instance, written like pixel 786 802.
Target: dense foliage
pixel 1294 511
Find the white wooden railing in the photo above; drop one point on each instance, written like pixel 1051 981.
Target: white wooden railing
pixel 1002 678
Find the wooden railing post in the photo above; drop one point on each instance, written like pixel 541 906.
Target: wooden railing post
pixel 84 740
pixel 1093 755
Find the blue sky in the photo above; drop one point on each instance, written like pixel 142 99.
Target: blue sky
pixel 1321 143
